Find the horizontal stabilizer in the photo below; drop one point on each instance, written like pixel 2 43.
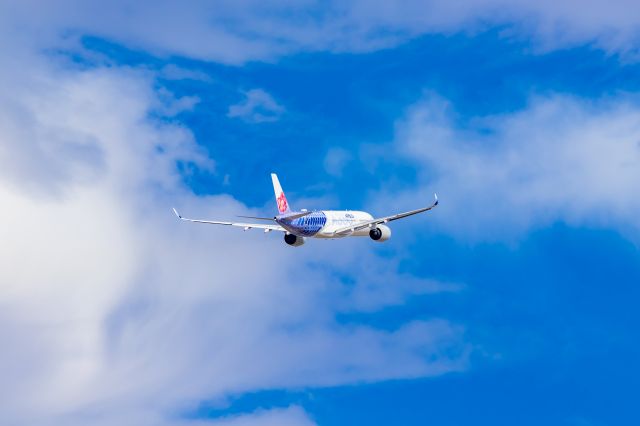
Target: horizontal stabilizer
pixel 296 215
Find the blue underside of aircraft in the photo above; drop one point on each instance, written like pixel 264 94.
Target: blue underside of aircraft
pixel 307 226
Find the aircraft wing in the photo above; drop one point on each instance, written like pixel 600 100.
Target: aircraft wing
pixel 246 226
pixel 381 220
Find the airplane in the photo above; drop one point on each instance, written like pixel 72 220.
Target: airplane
pixel 328 224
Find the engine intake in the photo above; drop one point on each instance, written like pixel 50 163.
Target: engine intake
pixel 293 240
pixel 380 234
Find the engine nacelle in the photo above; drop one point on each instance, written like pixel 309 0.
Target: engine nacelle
pixel 293 240
pixel 381 233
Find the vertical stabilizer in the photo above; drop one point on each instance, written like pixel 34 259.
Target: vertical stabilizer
pixel 281 200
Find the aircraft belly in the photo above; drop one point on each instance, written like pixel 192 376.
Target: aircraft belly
pixel 327 233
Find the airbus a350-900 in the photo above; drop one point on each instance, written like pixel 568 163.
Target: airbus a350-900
pixel 297 226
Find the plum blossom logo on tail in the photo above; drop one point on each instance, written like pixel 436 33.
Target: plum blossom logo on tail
pixel 282 203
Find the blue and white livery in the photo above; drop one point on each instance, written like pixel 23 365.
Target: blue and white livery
pixel 300 225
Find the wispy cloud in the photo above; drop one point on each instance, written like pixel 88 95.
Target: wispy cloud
pixel 241 31
pixel 174 72
pixel 290 416
pixel 257 107
pixel 561 158
pixel 336 160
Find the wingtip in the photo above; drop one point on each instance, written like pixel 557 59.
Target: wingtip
pixel 436 198
pixel 176 213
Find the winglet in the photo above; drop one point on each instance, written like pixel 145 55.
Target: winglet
pixel 436 197
pixel 177 214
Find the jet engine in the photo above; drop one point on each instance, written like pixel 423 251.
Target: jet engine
pixel 380 234
pixel 293 240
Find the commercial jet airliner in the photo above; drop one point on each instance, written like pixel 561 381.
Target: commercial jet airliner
pixel 300 225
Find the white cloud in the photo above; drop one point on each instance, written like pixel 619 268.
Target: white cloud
pixel 291 416
pixel 174 72
pixel 241 31
pixel 114 312
pixel 257 107
pixel 560 159
pixel 336 160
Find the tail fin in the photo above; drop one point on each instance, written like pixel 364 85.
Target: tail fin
pixel 283 205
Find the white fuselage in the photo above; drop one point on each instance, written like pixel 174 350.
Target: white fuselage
pixel 337 219
pixel 324 224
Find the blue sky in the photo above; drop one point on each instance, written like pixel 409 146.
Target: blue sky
pixel 512 303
